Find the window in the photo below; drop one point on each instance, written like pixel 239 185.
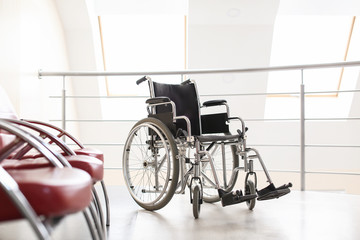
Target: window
pixel 142 43
pixel 313 39
pixel 154 42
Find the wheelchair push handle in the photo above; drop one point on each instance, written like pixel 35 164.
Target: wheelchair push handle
pixel 143 79
pixel 186 82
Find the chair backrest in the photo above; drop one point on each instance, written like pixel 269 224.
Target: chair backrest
pixel 186 100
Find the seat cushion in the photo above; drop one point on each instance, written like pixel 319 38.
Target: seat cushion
pixel 93 152
pixel 81 151
pixel 93 166
pixel 29 163
pixel 50 191
pixel 217 138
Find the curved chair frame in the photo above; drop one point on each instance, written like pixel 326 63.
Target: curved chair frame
pixel 67 151
pixel 13 191
pixel 66 135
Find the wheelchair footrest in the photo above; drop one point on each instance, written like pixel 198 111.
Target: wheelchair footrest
pixel 271 192
pixel 234 197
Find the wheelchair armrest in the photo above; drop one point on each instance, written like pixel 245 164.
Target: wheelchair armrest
pixel 153 102
pixel 214 103
pixel 158 100
pixel 220 102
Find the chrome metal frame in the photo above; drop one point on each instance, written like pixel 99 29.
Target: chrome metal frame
pixel 44 134
pixel 41 227
pixel 12 189
pixel 65 135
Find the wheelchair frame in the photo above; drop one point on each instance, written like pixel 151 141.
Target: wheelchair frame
pixel 191 169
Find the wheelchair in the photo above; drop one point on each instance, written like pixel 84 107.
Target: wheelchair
pixel 176 147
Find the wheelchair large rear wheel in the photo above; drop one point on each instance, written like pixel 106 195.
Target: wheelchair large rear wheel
pixel 150 164
pixel 210 193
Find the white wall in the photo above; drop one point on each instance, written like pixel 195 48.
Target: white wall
pixel 31 37
pixel 231 34
pixel 81 33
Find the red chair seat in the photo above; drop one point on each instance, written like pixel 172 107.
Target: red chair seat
pixel 90 152
pixel 93 166
pixel 50 191
pixel 29 163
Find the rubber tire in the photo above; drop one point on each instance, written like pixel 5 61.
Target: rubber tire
pixel 196 201
pixel 250 189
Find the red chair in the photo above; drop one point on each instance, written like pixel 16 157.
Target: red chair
pixel 44 194
pixel 23 160
pixel 85 162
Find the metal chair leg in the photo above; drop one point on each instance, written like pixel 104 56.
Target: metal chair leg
pixel 13 191
pixel 98 207
pixel 107 204
pixel 101 234
pixel 90 225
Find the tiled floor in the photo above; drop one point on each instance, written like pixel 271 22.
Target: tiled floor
pixel 299 215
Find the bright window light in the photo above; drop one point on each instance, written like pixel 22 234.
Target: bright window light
pixel 142 43
pixel 308 40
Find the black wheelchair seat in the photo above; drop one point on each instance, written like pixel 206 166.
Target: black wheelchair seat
pixel 217 138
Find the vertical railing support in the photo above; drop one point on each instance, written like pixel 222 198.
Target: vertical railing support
pixel 63 103
pixel 302 132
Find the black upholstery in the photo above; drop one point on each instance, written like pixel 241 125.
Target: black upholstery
pixel 157 100
pixel 186 101
pixel 214 103
pixel 218 138
pixel 214 123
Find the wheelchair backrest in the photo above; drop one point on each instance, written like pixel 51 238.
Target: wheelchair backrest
pixel 186 100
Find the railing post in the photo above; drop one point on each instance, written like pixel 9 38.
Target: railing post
pixel 302 132
pixel 63 103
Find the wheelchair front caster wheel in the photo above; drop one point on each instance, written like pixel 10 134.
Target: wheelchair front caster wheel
pixel 250 189
pixel 196 202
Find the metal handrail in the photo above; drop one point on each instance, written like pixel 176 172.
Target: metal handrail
pixel 301 93
pixel 245 119
pixel 254 145
pixel 215 95
pixel 42 73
